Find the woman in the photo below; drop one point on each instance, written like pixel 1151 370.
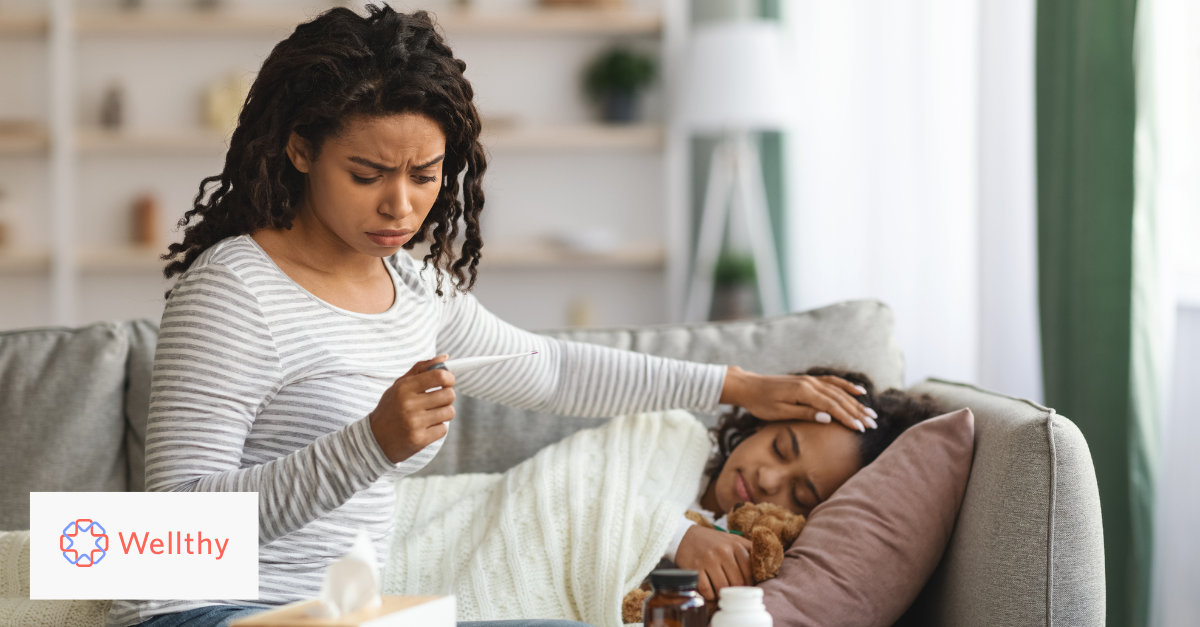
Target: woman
pixel 294 352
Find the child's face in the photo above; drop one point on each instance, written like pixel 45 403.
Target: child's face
pixel 373 183
pixel 795 465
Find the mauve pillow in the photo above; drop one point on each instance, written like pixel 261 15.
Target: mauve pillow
pixel 866 553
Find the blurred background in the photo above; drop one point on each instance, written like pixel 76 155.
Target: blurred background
pixel 1018 179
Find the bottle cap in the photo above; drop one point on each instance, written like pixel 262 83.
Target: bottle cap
pixel 741 593
pixel 674 578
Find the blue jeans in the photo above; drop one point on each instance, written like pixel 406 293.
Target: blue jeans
pixel 222 615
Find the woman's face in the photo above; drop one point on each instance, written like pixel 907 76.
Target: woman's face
pixel 373 184
pixel 795 465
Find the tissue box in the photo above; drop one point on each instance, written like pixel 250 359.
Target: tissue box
pixel 429 611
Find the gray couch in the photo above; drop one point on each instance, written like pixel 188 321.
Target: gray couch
pixel 1027 548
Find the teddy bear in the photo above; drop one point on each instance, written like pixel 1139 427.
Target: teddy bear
pixel 770 529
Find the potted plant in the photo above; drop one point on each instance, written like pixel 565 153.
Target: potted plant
pixel 613 80
pixel 735 287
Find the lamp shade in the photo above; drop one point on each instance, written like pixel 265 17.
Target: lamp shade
pixel 739 76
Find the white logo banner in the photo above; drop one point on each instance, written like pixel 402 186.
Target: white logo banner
pixel 143 545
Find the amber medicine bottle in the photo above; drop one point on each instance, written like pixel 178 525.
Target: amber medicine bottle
pixel 675 602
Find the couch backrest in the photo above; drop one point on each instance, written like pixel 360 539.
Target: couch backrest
pixel 1028 545
pixel 857 335
pixel 73 408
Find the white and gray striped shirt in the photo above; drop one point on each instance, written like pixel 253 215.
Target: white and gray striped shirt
pixel 260 386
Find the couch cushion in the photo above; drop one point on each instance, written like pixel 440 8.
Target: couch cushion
pixel 486 437
pixel 62 399
pixel 868 550
pixel 1028 547
pixel 143 337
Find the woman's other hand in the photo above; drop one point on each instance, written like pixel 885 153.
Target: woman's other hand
pixel 408 418
pixel 722 559
pixel 797 397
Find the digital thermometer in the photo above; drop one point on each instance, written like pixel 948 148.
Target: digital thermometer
pixel 467 364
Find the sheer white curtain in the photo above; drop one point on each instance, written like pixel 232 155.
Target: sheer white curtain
pixel 910 178
pixel 1168 216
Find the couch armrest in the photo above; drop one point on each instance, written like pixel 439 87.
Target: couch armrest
pixel 1028 546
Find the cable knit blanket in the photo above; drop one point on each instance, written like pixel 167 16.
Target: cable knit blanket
pixel 16 610
pixel 564 535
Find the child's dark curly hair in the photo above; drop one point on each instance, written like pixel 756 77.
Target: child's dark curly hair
pixel 333 68
pixel 898 410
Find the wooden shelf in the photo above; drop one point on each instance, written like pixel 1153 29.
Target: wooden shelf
pixel 183 142
pixel 23 139
pixel 122 259
pixel 539 256
pixel 538 22
pixel 200 142
pixel 113 259
pixel 503 256
pixel 191 23
pixel 23 25
pixel 23 261
pixel 552 22
pixel 575 137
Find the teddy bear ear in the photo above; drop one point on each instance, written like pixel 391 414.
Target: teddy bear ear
pixel 742 518
pixel 792 529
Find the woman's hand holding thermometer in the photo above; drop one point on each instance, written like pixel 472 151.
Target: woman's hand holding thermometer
pixel 407 418
pixel 413 412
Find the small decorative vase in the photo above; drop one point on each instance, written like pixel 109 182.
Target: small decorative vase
pixel 734 301
pixel 620 107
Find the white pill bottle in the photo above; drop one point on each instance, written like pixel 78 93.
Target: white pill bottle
pixel 741 607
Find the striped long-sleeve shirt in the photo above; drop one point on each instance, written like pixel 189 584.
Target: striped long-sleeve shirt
pixel 259 385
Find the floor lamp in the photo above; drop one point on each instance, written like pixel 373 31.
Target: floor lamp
pixel 738 81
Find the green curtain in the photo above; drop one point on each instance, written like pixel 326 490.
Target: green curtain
pixel 1085 153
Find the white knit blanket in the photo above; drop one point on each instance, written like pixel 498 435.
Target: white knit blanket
pixel 17 610
pixel 563 535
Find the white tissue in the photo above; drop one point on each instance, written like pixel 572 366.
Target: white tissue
pixel 351 583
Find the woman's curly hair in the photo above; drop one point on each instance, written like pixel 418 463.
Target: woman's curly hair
pixel 333 68
pixel 898 410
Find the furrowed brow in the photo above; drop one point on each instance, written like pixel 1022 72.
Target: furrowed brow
pixel 434 162
pixel 372 164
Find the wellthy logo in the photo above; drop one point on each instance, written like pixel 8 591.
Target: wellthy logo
pixel 66 542
pixel 143 545
pixel 175 543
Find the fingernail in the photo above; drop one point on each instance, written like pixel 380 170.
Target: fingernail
pixel 870 423
pixel 861 390
pixel 870 412
pixel 860 426
pixel 823 417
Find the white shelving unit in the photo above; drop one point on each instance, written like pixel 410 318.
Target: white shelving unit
pixel 78 156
